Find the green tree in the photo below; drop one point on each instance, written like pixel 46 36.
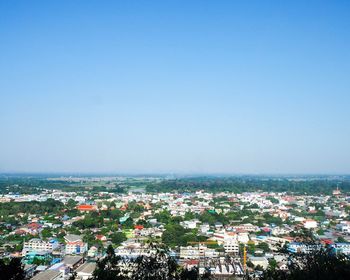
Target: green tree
pixel 38 261
pixel 11 269
pixel 263 246
pixel 46 233
pixel 251 247
pixel 272 264
pixel 174 235
pixel 341 239
pixel 108 268
pixel 118 237
pixel 71 204
pixel 320 265
pixel 89 238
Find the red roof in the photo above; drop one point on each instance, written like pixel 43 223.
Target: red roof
pixel 34 225
pixel 100 237
pixel 327 241
pixel 192 262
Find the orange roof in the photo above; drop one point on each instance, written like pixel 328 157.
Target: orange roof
pixel 86 207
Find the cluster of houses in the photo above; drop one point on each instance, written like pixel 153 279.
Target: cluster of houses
pixel 249 241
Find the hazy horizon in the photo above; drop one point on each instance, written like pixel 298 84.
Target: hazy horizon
pixel 229 87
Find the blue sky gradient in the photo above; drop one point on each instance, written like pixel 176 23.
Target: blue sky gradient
pixel 175 86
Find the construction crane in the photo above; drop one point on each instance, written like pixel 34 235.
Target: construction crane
pixel 244 257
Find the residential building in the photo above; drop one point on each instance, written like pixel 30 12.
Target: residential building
pixel 75 244
pixel 39 245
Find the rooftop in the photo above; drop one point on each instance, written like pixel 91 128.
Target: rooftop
pixel 72 238
pixel 47 275
pixel 86 268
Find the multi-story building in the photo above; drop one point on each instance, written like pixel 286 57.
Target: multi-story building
pixel 75 245
pixel 231 247
pixel 191 252
pixel 38 245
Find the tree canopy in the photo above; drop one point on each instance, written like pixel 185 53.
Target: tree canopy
pixel 11 269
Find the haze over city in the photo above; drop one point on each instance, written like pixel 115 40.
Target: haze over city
pixel 175 86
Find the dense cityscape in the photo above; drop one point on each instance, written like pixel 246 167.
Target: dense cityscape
pixel 61 227
pixel 174 140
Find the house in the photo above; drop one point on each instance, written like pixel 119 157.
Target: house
pixel 75 244
pixel 192 224
pixel 101 237
pixel 204 228
pixel 32 229
pixel 92 252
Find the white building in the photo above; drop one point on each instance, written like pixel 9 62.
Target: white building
pixel 75 245
pixel 243 237
pixel 38 245
pixel 310 224
pixel 231 247
pixel 192 224
pixel 191 252
pixel 204 228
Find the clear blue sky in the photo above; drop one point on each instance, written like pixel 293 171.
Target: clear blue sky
pixel 175 86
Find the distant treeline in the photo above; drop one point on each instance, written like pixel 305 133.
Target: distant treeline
pixel 30 185
pixel 238 184
pixel 247 184
pixel 34 185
